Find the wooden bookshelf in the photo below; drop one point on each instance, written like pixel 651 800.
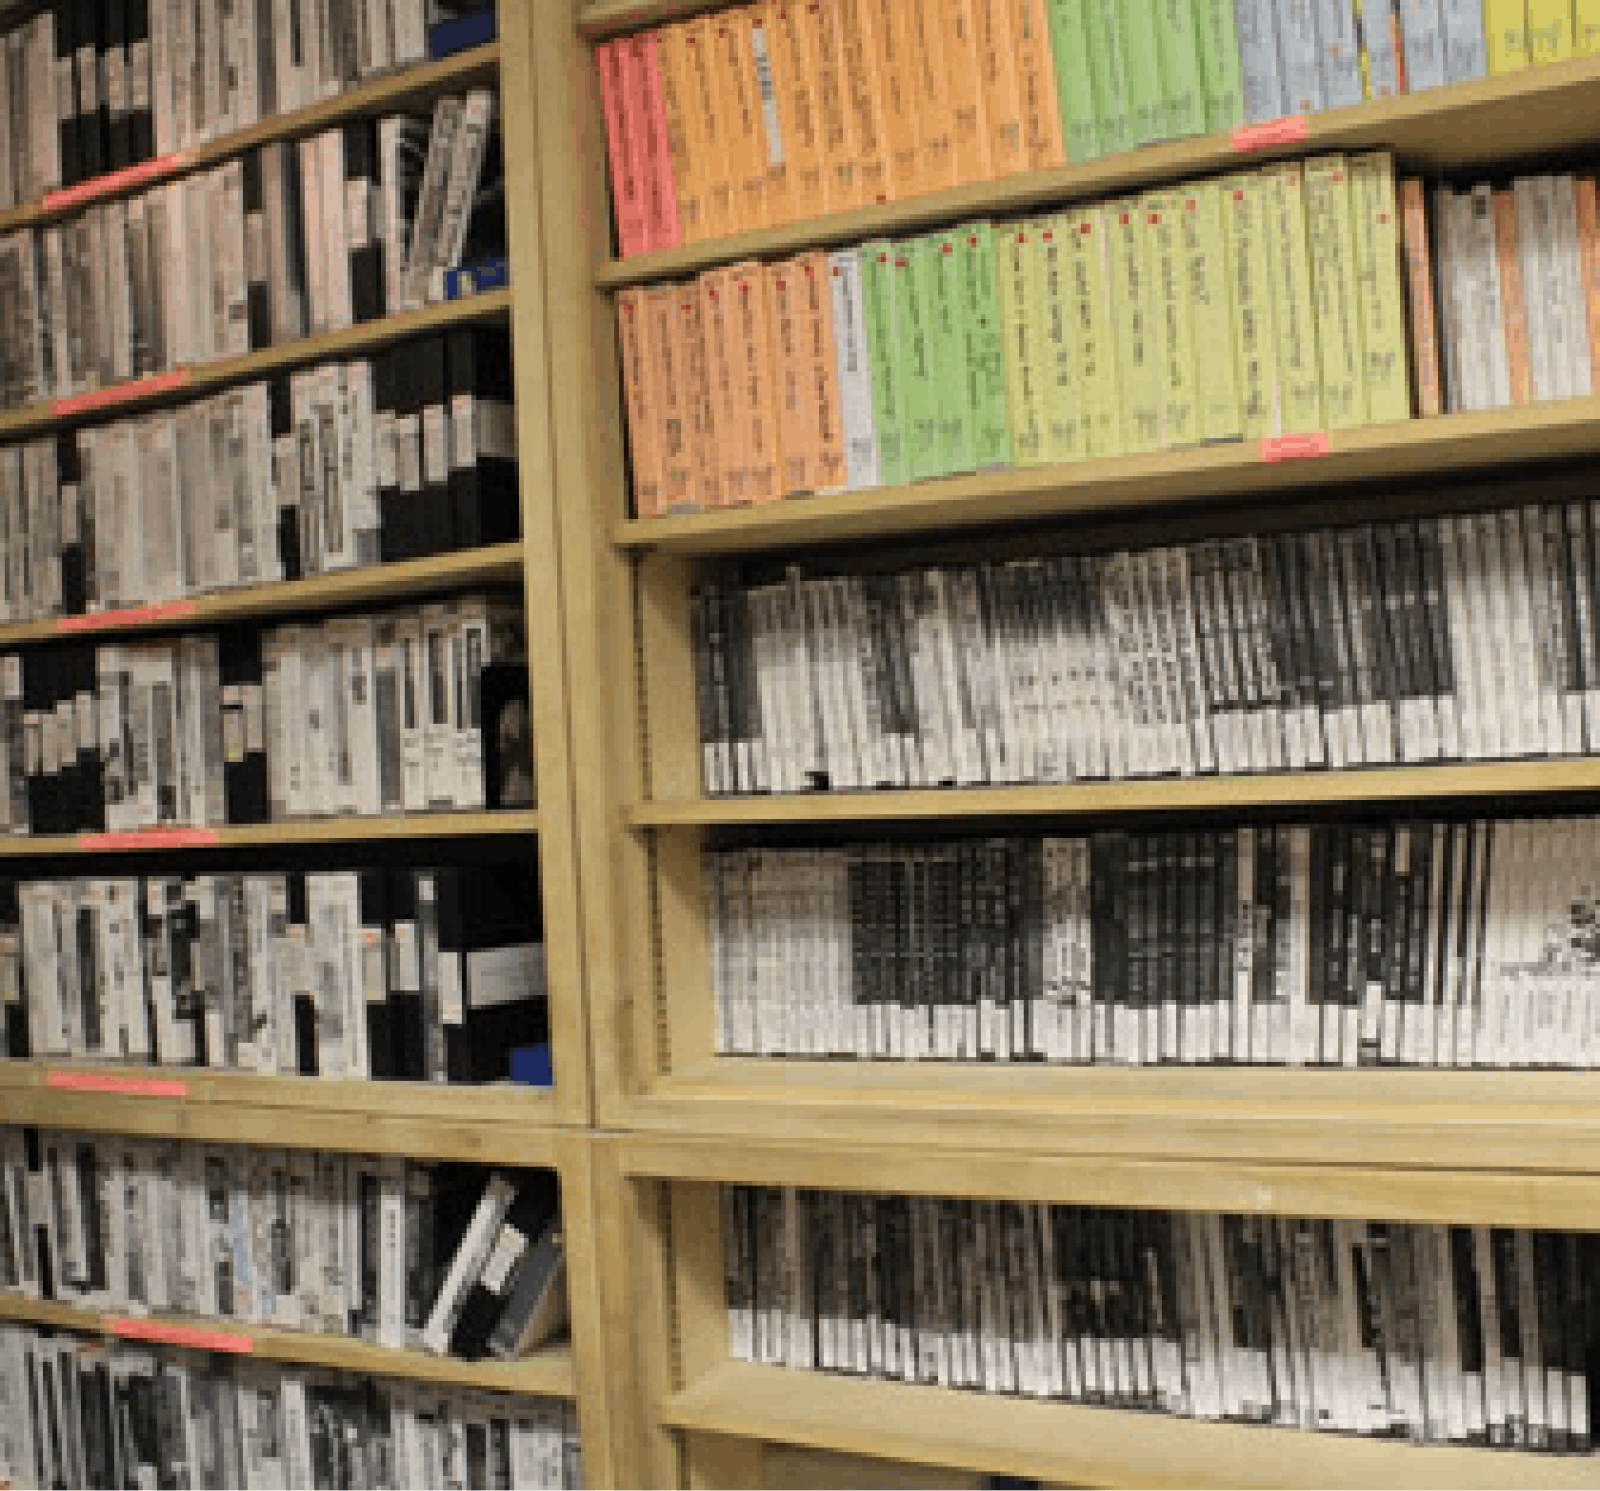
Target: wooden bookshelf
pixel 1070 1444
pixel 142 395
pixel 396 92
pixel 497 1124
pixel 1202 475
pixel 547 1373
pixel 1538 111
pixel 378 585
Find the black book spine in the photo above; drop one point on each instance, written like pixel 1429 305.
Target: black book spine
pixel 286 478
pixel 258 291
pixel 90 767
pixel 361 227
pixel 114 75
pixel 92 114
pixel 66 23
pixel 432 394
pixel 141 110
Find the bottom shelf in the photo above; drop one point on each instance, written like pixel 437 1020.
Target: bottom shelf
pixel 1067 1443
pixel 547 1374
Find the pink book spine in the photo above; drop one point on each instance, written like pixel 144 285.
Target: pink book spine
pixel 626 202
pixel 665 229
pixel 636 131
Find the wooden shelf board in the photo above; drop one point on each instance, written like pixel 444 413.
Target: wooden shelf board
pixel 503 1123
pixel 1538 111
pixel 1400 1193
pixel 504 822
pixel 1512 1121
pixel 1456 442
pixel 547 1374
pixel 210 377
pixel 1077 1445
pixel 1362 785
pixel 386 95
pixel 382 583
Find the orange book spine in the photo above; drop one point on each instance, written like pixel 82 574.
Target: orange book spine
pixel 741 114
pixel 795 70
pixel 681 122
pixel 792 375
pixel 1504 208
pixel 931 94
pixel 627 203
pixel 705 486
pixel 835 129
pixel 773 113
pixel 636 132
pixel 705 104
pixel 666 228
pixel 969 129
pixel 828 462
pixel 1042 141
pixel 1419 284
pixel 1002 102
pixel 1589 260
pixel 723 375
pixel 852 25
pixel 639 399
pixel 664 358
pixel 753 341
pixel 892 35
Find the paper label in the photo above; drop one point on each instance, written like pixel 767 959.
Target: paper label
pixel 1294 447
pixel 508 1247
pixel 137 388
pixel 181 1335
pixel 140 1087
pixel 114 181
pixel 1289 130
pixel 151 838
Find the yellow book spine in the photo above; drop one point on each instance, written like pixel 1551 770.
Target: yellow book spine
pixel 1064 426
pixel 1586 28
pixel 1255 322
pixel 1299 364
pixel 1174 311
pixel 1382 297
pixel 1094 331
pixel 1550 26
pixel 1019 298
pixel 1331 236
pixel 1137 321
pixel 1205 262
pixel 1505 28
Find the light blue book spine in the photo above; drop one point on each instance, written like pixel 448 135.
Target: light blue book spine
pixel 1466 51
pixel 1258 59
pixel 1421 31
pixel 1378 21
pixel 1340 53
pixel 1301 56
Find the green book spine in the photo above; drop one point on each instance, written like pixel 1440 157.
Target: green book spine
pixel 1206 264
pixel 1063 429
pixel 1182 87
pixel 1221 70
pixel 878 299
pixel 1331 233
pixel 1108 71
pixel 1141 60
pixel 946 313
pixel 1095 331
pixel 1080 119
pixel 1299 364
pixel 1017 251
pixel 919 402
pixel 983 329
pixel 1383 323
pixel 1138 357
pixel 1255 322
pixel 1174 311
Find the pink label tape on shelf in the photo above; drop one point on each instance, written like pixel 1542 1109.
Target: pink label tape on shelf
pixel 181 1335
pixel 114 181
pixel 151 838
pixel 1294 447
pixel 137 388
pixel 128 616
pixel 1289 130
pixel 139 1087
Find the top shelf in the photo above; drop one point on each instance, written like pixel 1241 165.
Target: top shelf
pixel 398 91
pixel 1542 110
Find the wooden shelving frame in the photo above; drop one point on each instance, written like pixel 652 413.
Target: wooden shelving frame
pixel 1514 1148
